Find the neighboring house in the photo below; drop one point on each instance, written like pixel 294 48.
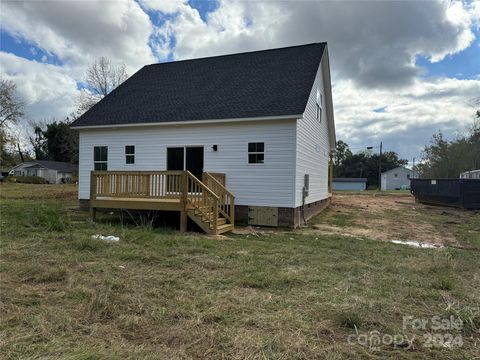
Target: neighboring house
pixel 473 174
pixel 396 179
pixel 354 184
pixel 263 120
pixel 54 172
pixel 3 173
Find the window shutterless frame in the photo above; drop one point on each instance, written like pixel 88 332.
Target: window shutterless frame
pixel 100 157
pixel 130 154
pixel 256 153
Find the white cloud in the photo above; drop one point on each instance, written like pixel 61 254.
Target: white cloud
pixel 164 6
pixel 374 43
pixel 77 32
pixel 412 115
pixel 48 90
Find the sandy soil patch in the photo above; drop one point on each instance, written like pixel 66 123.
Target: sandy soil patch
pixel 386 217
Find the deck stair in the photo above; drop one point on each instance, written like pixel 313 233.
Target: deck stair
pixel 210 206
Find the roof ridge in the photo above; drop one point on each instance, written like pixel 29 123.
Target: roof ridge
pixel 239 53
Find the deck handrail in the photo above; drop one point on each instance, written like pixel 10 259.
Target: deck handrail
pixel 227 199
pixel 139 184
pixel 203 199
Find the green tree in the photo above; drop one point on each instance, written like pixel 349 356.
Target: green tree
pixel 447 159
pixel 61 142
pixel 342 152
pixel 365 164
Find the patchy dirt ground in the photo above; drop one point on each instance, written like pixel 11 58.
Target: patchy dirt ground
pixel 393 217
pixel 387 217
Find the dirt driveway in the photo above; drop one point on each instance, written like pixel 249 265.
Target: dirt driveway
pixel 396 216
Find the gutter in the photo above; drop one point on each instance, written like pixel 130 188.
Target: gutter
pixel 190 122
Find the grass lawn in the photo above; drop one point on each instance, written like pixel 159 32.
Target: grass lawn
pixel 157 294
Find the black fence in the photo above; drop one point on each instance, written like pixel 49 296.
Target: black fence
pixel 463 193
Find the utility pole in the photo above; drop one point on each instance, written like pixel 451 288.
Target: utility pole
pixel 413 168
pixel 380 169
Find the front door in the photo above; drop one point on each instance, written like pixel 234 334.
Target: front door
pixel 186 158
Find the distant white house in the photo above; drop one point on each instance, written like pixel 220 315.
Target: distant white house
pixel 263 120
pixel 352 184
pixel 473 174
pixel 54 172
pixel 396 179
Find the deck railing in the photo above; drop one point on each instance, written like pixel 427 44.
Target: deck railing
pixel 136 184
pixel 203 200
pixel 226 199
pixel 210 198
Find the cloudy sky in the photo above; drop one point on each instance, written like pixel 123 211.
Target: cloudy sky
pixel 401 70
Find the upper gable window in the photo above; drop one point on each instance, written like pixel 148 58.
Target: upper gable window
pixel 256 153
pixel 318 107
pixel 130 154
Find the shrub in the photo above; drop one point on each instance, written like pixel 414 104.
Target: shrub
pixel 50 218
pixel 27 179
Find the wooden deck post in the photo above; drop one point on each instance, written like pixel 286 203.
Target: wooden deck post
pixel 183 197
pixel 183 221
pixel 93 190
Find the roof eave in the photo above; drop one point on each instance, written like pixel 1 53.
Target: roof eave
pixel 190 122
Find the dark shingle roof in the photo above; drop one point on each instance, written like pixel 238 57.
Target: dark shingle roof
pixel 349 179
pixel 54 165
pixel 272 82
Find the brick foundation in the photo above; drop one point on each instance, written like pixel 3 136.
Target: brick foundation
pixel 287 217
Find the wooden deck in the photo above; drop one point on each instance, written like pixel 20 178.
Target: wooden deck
pixel 208 203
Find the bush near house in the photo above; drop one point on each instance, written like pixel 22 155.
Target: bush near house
pixel 27 179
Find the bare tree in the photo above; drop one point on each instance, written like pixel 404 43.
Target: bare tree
pixel 11 106
pixel 101 78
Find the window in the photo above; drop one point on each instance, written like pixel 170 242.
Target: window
pixel 408 176
pixel 319 105
pixel 100 157
pixel 256 153
pixel 395 175
pixel 130 154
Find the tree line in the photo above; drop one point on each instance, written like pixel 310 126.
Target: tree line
pixel 447 159
pixel 363 164
pixel 51 139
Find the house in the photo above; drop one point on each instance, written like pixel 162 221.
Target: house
pixel 54 172
pixel 396 179
pixel 473 174
pixel 3 173
pixel 244 137
pixel 352 184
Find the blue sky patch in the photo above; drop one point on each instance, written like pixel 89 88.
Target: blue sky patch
pixel 25 49
pixel 204 7
pixel 463 65
pixel 380 109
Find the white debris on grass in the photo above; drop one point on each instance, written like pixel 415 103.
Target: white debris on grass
pixel 105 238
pixel 417 244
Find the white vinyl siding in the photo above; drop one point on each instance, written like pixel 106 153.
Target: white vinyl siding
pixel 270 184
pixel 313 145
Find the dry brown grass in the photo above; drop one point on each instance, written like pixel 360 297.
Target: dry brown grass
pixel 160 295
